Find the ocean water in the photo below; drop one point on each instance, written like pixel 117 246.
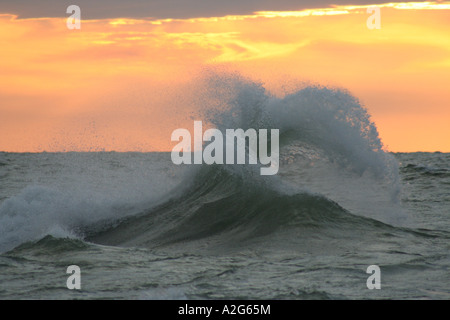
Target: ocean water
pixel 140 227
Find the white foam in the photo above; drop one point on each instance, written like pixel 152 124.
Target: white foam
pixel 84 189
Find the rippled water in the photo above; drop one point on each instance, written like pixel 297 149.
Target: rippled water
pixel 138 230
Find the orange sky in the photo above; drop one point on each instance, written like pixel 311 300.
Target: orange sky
pixel 118 84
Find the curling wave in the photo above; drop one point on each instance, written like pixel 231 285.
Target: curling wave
pixel 333 171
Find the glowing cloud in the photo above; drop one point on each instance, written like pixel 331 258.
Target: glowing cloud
pixel 119 74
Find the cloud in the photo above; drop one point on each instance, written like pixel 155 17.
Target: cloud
pixel 162 9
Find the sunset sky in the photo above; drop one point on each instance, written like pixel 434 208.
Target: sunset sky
pixel 113 84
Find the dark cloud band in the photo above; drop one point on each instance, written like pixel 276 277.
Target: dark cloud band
pixel 161 9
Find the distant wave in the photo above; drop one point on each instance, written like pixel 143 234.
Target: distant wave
pixel 426 170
